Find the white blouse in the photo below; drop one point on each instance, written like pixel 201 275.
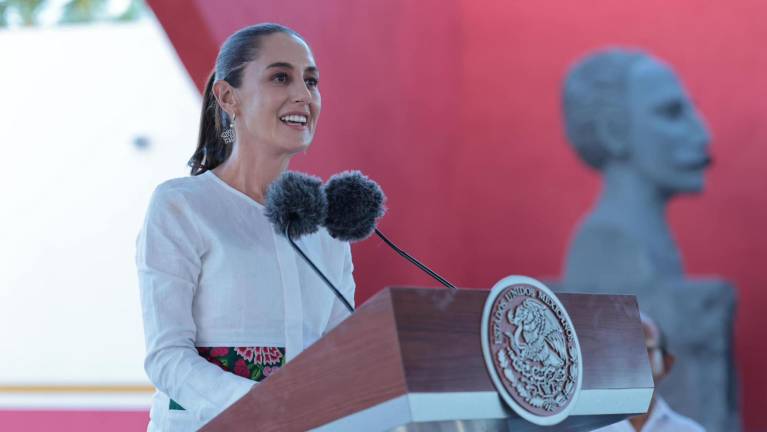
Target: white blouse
pixel 213 272
pixel 662 419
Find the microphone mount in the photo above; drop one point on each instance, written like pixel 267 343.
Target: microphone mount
pixel 415 262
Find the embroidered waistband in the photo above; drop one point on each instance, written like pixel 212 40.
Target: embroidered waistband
pixel 255 363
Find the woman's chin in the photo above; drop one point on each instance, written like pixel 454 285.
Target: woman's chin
pixel 296 147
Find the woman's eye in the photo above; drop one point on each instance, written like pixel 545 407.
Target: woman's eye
pixel 281 77
pixel 312 82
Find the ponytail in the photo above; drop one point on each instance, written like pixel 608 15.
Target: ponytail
pixel 211 150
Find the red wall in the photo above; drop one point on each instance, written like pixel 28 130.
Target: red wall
pixel 453 106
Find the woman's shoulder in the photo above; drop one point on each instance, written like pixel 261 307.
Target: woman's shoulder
pixel 177 194
pixel 181 185
pixel 180 188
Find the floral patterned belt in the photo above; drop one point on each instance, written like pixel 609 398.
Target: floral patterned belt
pixel 254 363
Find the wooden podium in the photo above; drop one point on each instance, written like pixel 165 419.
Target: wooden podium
pixel 410 359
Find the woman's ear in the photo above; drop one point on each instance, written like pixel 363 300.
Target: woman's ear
pixel 225 96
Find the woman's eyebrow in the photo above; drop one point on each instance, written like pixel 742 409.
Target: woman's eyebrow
pixel 280 65
pixel 290 66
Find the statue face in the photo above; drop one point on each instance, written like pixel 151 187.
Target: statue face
pixel 668 139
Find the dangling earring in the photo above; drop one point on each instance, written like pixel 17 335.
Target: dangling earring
pixel 228 135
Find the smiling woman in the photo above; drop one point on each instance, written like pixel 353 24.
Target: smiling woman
pixel 226 302
pixel 267 75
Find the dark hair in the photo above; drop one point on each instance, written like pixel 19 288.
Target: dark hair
pixel 237 51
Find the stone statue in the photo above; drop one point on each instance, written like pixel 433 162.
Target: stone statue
pixel 628 116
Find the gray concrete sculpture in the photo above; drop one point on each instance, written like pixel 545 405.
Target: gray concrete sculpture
pixel 628 116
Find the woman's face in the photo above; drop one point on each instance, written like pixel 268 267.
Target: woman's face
pixel 278 102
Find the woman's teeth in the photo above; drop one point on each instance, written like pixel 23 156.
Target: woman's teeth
pixel 294 119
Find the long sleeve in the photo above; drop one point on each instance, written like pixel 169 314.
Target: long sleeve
pixel 168 258
pixel 347 288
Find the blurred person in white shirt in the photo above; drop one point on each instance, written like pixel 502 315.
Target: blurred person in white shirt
pixel 659 417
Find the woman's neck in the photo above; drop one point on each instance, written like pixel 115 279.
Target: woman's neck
pixel 251 171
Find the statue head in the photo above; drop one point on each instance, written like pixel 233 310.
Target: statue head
pixel 628 110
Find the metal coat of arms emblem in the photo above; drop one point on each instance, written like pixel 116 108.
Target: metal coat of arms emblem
pixel 531 350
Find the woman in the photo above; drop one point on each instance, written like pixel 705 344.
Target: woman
pixel 225 299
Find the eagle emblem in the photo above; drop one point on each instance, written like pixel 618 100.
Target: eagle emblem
pixel 531 350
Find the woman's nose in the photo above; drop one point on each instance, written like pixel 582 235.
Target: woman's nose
pixel 301 93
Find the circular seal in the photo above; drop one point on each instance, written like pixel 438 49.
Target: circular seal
pixel 531 350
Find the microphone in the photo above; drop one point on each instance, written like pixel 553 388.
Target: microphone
pixel 355 203
pixel 297 206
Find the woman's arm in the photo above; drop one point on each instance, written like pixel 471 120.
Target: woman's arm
pixel 168 259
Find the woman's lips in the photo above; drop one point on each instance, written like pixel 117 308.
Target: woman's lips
pixel 298 121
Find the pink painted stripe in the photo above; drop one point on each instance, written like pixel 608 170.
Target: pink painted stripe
pixel 64 421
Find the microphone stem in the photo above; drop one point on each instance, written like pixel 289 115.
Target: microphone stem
pixel 317 270
pixel 404 254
